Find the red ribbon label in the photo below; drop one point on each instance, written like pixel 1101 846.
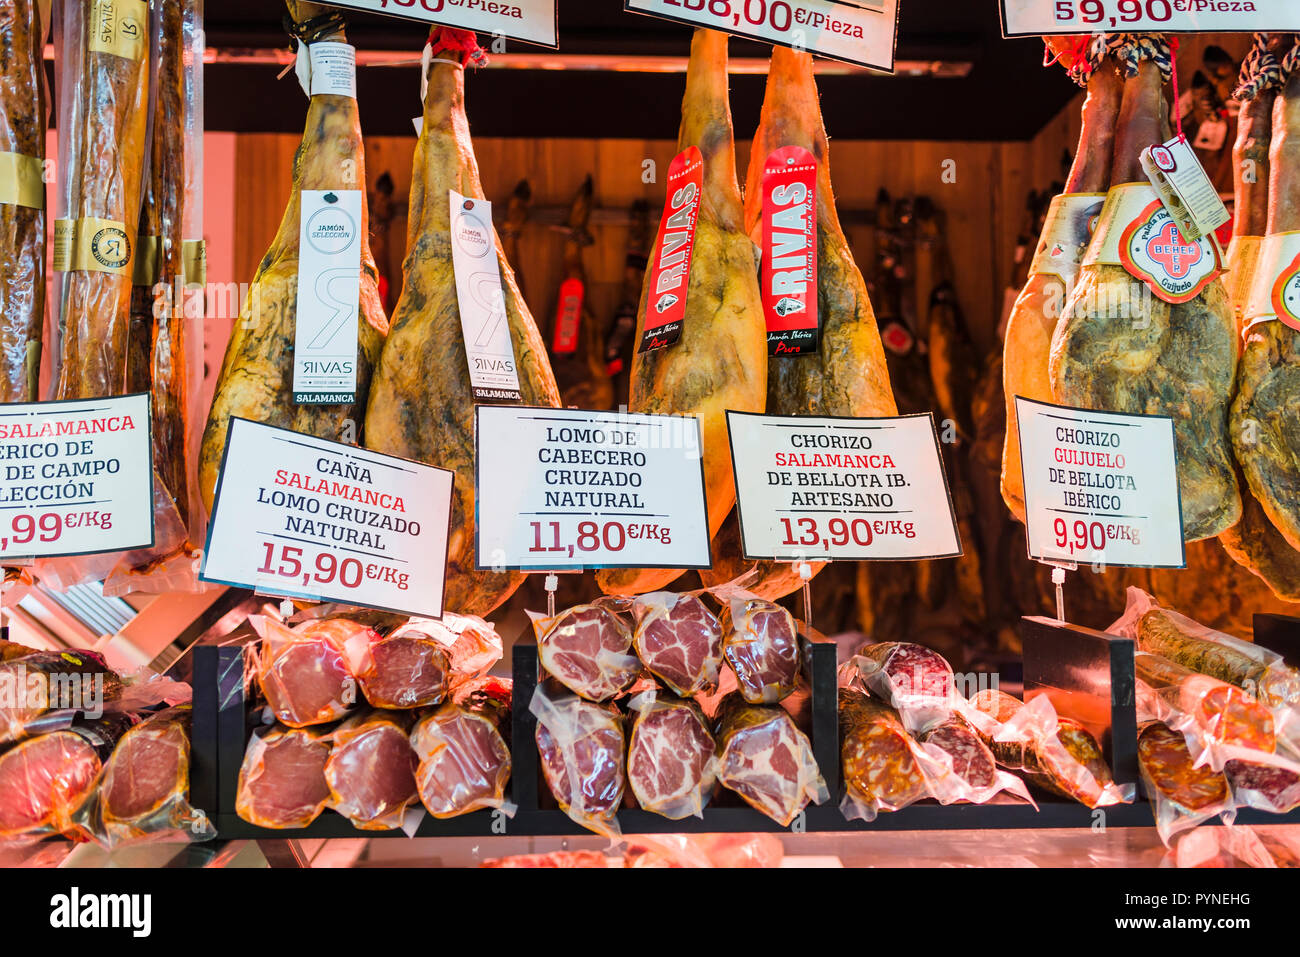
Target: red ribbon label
pixel 790 252
pixel 568 317
pixel 670 265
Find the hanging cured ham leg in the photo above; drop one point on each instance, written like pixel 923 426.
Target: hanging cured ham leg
pixel 1265 415
pixel 1253 542
pixel 1053 274
pixel 847 376
pixel 1146 347
pixel 256 379
pixel 720 360
pixel 422 403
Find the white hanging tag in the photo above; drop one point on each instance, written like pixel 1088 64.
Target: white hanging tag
pixel 426 59
pixel 1184 188
pixel 302 67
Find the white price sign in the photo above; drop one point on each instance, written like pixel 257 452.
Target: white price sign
pixel 1100 487
pixel 532 21
pixel 856 31
pixel 568 489
pixel 841 488
pixel 306 518
pixel 1022 18
pixel 77 477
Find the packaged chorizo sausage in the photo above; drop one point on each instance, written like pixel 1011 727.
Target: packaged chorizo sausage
pixel 915 680
pixel 876 757
pixel 1182 794
pixel 1212 713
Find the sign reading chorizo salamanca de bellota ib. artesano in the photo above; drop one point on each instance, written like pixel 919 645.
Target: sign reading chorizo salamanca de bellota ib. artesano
pixel 75 477
pixel 825 488
pixel 303 517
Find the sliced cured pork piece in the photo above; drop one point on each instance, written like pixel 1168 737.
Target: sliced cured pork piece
pixel 422 404
pixel 1265 416
pixel 576 342
pixel 45 779
pixel 766 759
pixel 406 669
pixel 22 199
pixel 1170 777
pixel 847 376
pixel 145 790
pixel 588 649
pixel 582 751
pixel 671 758
pixel 256 380
pixel 1119 347
pixel 305 675
pixel 679 640
pixel 761 643
pixel 720 360
pixel 1054 267
pixel 282 779
pixel 371 770
pixel 880 770
pixel 463 752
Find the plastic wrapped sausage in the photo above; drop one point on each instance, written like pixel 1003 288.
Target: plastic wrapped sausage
pixel 672 763
pixel 1265 787
pixel 766 759
pixel 581 747
pixel 282 779
pixel 880 770
pixel 463 749
pixel 679 640
pixel 1212 711
pixel 588 649
pixel 761 644
pixel 1183 795
pixel 916 681
pixel 44 690
pixel 371 770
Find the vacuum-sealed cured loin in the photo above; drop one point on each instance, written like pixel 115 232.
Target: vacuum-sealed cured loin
pixel 463 751
pixel 1054 268
pixel 371 770
pixel 761 643
pixel 588 649
pixel 679 640
pixel 1164 346
pixel 719 362
pixel 282 779
pixel 671 757
pixel 45 779
pixel 144 793
pixel 22 199
pixel 582 751
pixel 256 380
pixel 766 759
pixel 406 669
pixel 422 403
pixel 305 675
pixel 880 770
pixel 972 761
pixel 37 684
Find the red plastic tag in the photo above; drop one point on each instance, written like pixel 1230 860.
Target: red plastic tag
pixel 568 317
pixel 1286 295
pixel 670 265
pixel 789 273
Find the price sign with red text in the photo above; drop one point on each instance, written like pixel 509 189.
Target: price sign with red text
pixel 841 488
pixel 305 518
pixel 1100 487
pixel 1023 18
pixel 76 478
pixel 533 21
pixel 567 489
pixel 856 31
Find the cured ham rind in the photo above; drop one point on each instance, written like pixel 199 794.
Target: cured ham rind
pixel 761 643
pixel 679 640
pixel 847 376
pixel 256 380
pixel 371 770
pixel 282 778
pixel 305 675
pixel 22 228
pixel 422 403
pixel 766 759
pixel 582 751
pixel 1154 358
pixel 1028 341
pixel 464 754
pixel 720 361
pixel 588 649
pixel 671 757
pixel 880 770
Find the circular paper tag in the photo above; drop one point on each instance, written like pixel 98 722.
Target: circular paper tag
pixel 1286 295
pixel 1153 250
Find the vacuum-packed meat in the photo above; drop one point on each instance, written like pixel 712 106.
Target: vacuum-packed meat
pixel 52 681
pixel 915 680
pixel 282 778
pixel 582 751
pixel 145 790
pixel 766 759
pixel 371 770
pixel 405 669
pixel 679 640
pixel 463 752
pixel 761 643
pixel 880 770
pixel 305 675
pixel 1215 711
pixel 588 649
pixel 671 757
